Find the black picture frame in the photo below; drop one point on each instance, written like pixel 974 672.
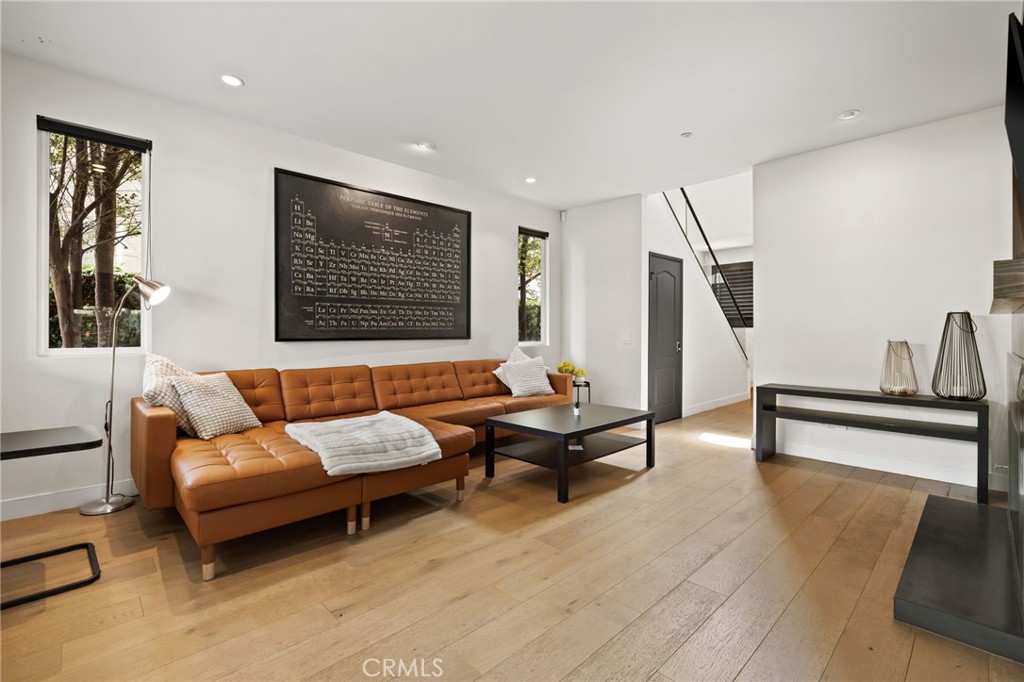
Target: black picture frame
pixel 355 263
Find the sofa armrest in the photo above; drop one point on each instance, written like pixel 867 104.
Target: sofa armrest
pixel 154 435
pixel 562 383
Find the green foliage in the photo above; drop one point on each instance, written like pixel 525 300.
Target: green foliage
pixel 129 331
pixel 531 253
pixel 531 330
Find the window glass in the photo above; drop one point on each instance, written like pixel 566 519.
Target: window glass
pixel 94 241
pixel 531 291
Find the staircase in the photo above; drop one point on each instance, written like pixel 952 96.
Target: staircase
pixel 739 277
pixel 731 283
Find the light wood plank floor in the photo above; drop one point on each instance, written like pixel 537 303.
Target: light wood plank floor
pixel 709 566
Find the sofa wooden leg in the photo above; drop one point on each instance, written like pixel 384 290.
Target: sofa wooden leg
pixel 460 488
pixel 209 556
pixel 351 520
pixel 366 515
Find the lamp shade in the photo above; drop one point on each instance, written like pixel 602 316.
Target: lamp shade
pixel 152 291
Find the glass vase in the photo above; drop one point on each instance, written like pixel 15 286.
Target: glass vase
pixel 898 377
pixel 958 373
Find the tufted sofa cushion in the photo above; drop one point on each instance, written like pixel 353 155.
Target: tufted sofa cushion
pixel 418 384
pixel 326 392
pixel 261 390
pixel 465 412
pixel 454 439
pixel 477 380
pixel 263 463
pixel 244 467
pixel 531 402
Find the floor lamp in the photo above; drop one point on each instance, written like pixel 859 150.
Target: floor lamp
pixel 154 293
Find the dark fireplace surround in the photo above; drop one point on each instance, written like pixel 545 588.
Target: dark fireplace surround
pixel 964 575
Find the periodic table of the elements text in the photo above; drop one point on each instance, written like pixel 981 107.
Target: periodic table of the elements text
pixel 388 267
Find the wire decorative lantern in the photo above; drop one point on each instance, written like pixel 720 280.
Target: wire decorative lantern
pixel 898 377
pixel 958 374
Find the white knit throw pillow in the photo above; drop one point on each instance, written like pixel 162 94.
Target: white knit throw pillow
pixel 214 405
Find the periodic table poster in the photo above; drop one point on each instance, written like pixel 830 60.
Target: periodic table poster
pixel 358 264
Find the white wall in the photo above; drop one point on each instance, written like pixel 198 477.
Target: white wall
pixel 600 262
pixel 873 240
pixel 714 370
pixel 213 242
pixel 725 207
pixel 606 248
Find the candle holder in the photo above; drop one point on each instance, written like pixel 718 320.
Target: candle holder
pixel 958 374
pixel 898 376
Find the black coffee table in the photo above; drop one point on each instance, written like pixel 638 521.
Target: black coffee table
pixel 564 440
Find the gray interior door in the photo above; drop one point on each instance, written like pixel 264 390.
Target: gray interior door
pixel 665 338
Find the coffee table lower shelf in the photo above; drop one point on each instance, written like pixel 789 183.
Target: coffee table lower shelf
pixel 543 452
pixel 557 431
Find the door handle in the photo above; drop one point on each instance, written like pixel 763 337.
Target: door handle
pixel 679 346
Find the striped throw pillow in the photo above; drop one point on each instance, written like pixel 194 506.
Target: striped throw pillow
pixel 528 377
pixel 517 355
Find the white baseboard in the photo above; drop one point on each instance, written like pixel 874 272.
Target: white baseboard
pixel 30 505
pixel 690 410
pixel 996 480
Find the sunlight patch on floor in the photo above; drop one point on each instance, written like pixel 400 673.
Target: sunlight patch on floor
pixel 727 441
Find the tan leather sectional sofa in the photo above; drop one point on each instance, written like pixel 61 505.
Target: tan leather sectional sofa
pixel 238 484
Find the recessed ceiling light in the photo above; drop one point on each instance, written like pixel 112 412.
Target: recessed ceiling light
pixel 426 145
pixel 849 114
pixel 531 180
pixel 686 134
pixel 233 81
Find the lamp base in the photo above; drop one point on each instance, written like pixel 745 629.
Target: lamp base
pixel 112 504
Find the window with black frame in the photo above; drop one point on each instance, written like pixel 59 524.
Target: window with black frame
pixel 532 288
pixel 95 194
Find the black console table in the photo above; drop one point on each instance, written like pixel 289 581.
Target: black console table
pixel 768 411
pixel 18 444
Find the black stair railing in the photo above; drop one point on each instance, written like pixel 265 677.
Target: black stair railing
pixel 711 251
pixel 731 295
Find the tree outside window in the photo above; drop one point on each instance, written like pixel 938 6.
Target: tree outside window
pixel 531 285
pixel 94 239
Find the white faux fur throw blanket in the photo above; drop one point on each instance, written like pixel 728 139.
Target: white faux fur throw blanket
pixel 380 442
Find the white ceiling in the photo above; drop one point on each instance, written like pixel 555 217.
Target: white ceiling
pixel 588 98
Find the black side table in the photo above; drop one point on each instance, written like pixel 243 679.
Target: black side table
pixel 18 444
pixel 577 386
